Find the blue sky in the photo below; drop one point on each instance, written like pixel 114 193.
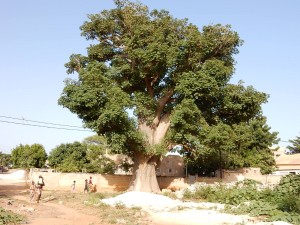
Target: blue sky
pixel 37 38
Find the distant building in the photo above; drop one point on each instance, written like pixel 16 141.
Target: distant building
pixel 286 163
pixel 171 166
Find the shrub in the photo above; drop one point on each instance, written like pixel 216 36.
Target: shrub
pixel 7 217
pixel 289 203
pixel 239 193
pixel 288 185
pixel 280 204
pixel 287 194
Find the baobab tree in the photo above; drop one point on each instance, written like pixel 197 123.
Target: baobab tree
pixel 150 81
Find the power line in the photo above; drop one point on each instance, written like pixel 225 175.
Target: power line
pixel 35 125
pixel 35 121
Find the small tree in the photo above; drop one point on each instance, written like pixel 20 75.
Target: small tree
pixel 70 157
pixel 87 156
pixel 5 159
pixel 295 147
pixel 97 152
pixel 26 156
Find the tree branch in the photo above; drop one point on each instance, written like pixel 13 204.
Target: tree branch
pixel 160 106
pixel 149 86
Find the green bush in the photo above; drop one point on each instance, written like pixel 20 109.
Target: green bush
pixel 282 203
pixel 200 193
pixel 265 211
pixel 241 192
pixel 253 208
pixel 7 217
pixel 289 203
pixel 287 194
pixel 288 185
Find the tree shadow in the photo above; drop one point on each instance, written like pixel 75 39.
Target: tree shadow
pixel 7 190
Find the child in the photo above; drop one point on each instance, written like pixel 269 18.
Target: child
pixel 32 191
pixel 38 191
pixel 91 184
pixel 86 186
pixel 73 187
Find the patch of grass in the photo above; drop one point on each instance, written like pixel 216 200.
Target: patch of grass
pixel 121 214
pixel 7 217
pixel 170 194
pixel 120 205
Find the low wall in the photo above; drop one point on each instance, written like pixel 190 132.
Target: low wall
pixel 106 182
pixel 63 181
pixel 103 182
pixel 250 173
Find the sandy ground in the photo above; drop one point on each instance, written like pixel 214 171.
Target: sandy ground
pixel 14 196
pixel 53 213
pixel 50 213
pixel 44 213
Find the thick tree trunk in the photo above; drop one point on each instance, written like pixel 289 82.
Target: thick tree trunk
pixel 144 174
pixel 144 168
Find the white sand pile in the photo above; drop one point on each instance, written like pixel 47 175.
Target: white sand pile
pixel 143 200
pixel 167 211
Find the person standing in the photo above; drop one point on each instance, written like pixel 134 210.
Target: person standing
pixel 91 184
pixel 91 181
pixel 32 191
pixel 41 182
pixel 73 187
pixel 40 185
pixel 39 193
pixel 86 186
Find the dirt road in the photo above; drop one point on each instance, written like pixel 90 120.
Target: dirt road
pixel 13 197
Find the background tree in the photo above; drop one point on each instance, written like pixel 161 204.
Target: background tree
pixel 173 76
pixel 97 152
pixel 28 156
pixel 77 157
pixel 5 159
pixel 295 147
pixel 70 157
pixel 229 147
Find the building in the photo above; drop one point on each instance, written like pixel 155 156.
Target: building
pixel 286 163
pixel 172 165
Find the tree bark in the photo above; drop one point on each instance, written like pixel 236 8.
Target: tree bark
pixel 144 173
pixel 144 167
